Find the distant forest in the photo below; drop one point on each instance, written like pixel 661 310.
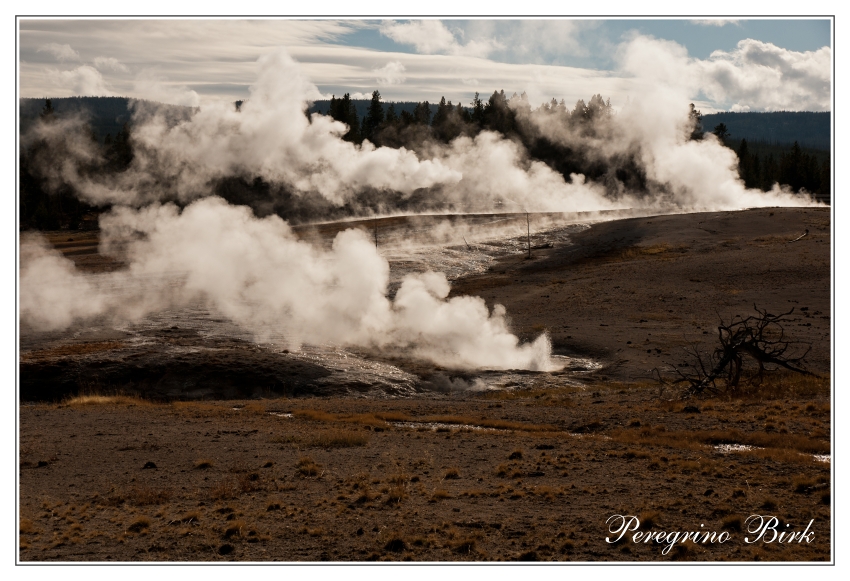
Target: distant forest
pixel 766 155
pixel 105 115
pixel 809 129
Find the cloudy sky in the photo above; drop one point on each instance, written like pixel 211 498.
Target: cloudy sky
pixel 726 64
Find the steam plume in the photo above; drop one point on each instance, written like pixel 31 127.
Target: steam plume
pixel 255 272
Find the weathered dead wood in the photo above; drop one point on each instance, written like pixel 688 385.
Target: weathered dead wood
pixel 758 338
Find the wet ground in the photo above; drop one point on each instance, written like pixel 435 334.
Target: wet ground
pixel 195 352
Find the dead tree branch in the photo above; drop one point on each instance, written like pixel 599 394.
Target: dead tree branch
pixel 758 338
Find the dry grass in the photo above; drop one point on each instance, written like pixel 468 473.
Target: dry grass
pixel 191 517
pixel 782 385
pixel 396 494
pixel 140 524
pixel 656 250
pixel 204 464
pixel 732 523
pixel 648 519
pixel 451 474
pixel 236 528
pixel 254 408
pixel 226 489
pixel 378 419
pixel 87 400
pixel 338 439
pixel 72 350
pixel 307 467
pixel 660 436
pixel 202 409
pixel 146 495
pixel 489 423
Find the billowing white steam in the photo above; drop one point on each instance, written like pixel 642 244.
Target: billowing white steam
pixel 272 138
pixel 259 275
pixel 255 272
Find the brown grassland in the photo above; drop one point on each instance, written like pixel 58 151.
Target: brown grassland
pixel 528 474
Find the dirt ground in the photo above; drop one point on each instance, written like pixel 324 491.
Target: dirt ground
pixel 532 473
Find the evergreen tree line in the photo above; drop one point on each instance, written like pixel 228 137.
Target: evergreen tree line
pixel 381 125
pixel 761 165
pixel 45 206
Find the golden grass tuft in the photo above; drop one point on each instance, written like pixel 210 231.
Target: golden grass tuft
pixel 204 464
pixel 396 494
pixel 89 400
pixel 146 495
pixel 337 438
pixel 307 467
pixel 140 524
pixel 235 529
pixel 226 489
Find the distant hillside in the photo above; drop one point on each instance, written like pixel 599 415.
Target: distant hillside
pixel 106 115
pixel 808 128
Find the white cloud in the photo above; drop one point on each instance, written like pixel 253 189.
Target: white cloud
pixel 391 74
pixel 533 40
pixel 83 81
pixel 761 75
pixel 151 86
pixel 62 52
pixel 715 22
pixel 110 64
pixel 432 37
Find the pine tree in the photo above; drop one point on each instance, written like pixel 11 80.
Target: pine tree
pixel 47 114
pixel 374 118
pixel 391 118
pixel 695 123
pixel 477 110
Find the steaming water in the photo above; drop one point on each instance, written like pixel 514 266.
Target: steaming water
pixel 468 254
pixel 465 245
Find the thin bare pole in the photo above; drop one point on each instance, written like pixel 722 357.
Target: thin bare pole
pixel 528 234
pixel 376 234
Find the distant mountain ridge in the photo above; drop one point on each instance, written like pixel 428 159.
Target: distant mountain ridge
pixel 809 129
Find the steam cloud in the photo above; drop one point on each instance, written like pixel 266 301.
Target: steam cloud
pixel 256 272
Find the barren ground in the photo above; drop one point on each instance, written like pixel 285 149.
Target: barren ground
pixel 529 473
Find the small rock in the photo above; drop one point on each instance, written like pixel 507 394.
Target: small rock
pixel 149 466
